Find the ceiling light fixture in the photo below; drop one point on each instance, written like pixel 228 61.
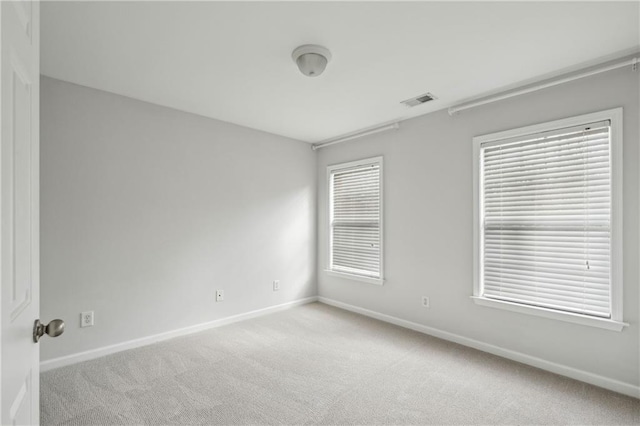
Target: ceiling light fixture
pixel 311 59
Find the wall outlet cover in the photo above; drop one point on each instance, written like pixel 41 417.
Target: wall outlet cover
pixel 276 285
pixel 86 319
pixel 219 295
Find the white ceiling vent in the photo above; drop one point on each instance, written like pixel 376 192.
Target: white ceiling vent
pixel 418 100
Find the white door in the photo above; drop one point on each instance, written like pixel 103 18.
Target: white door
pixel 19 233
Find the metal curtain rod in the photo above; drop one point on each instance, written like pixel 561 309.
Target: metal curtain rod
pixel 355 135
pixel 633 62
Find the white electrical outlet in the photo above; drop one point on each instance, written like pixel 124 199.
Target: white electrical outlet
pixel 219 295
pixel 276 285
pixel 86 319
pixel 425 301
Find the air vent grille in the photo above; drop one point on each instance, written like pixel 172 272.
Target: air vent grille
pixel 419 100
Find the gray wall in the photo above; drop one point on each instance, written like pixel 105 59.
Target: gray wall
pixel 146 211
pixel 428 227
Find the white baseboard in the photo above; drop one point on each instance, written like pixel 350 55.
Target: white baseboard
pixel 136 343
pixel 563 370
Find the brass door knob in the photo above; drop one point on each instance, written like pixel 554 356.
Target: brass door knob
pixel 53 329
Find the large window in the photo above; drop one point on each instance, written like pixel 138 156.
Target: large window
pixel 548 205
pixel 355 220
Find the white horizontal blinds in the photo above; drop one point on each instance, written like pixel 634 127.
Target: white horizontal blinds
pixel 547 220
pixel 355 220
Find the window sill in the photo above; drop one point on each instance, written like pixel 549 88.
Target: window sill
pixel 376 281
pixel 605 323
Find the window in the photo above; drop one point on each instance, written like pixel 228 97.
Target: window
pixel 547 220
pixel 355 220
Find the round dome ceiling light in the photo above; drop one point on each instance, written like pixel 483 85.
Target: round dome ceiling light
pixel 311 59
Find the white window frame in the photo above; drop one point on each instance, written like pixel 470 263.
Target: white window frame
pixel 340 274
pixel 615 322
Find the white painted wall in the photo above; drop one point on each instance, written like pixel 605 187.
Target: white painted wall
pixel 428 227
pixel 146 211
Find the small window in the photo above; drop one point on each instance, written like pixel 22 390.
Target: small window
pixel 355 220
pixel 547 218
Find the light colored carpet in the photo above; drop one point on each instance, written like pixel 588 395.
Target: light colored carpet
pixel 316 364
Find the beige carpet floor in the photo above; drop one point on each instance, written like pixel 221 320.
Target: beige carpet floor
pixel 316 364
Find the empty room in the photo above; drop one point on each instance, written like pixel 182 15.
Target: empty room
pixel 247 213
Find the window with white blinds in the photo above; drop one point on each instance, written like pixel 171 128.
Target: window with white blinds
pixel 545 213
pixel 355 192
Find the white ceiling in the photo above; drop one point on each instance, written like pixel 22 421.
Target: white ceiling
pixel 232 60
